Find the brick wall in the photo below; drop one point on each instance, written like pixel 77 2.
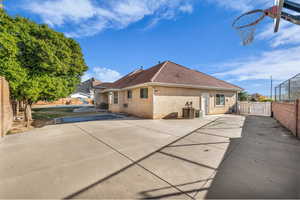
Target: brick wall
pixel 286 114
pixel 6 115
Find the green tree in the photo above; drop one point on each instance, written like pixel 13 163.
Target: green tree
pixel 243 96
pixel 38 62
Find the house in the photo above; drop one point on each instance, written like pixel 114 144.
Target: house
pixel 165 89
pixel 84 94
pixel 85 89
pixel 257 97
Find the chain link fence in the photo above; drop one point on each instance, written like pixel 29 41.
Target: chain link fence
pixel 289 90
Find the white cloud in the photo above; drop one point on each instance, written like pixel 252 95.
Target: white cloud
pixel 242 5
pixel 281 64
pixel 288 34
pixel 93 16
pixel 281 61
pixel 58 12
pixel 188 8
pixel 102 74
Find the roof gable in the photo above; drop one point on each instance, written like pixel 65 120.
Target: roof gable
pixel 178 74
pixel 171 73
pixel 137 77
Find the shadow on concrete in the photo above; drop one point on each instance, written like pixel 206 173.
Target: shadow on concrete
pixel 187 160
pixel 263 164
pixel 136 163
pixel 147 194
pixel 197 144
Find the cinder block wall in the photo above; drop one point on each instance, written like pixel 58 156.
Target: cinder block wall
pixel 6 114
pixel 285 113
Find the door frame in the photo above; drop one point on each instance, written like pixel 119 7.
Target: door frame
pixel 205 103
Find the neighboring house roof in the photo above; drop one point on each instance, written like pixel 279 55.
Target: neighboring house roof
pixel 95 82
pixel 80 94
pixel 86 86
pixel 103 85
pixel 171 73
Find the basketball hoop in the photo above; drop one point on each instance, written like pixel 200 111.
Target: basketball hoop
pixel 246 24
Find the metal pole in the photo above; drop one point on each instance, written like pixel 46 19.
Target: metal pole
pixel 279 93
pixel 289 89
pixel 276 94
pixel 271 91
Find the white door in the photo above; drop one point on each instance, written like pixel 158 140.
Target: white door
pixel 205 103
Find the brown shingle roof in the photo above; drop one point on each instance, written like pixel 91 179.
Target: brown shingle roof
pixel 137 77
pixel 171 73
pixel 178 74
pixel 104 85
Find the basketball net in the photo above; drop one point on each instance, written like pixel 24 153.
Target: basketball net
pixel 246 23
pixel 247 35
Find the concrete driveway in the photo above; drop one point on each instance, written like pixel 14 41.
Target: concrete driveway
pixel 216 157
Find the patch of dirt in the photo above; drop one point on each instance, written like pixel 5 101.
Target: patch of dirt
pixel 19 126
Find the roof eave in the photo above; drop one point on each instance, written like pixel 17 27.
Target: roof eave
pixel 173 85
pixel 193 86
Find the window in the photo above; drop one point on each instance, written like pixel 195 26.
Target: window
pixel 116 97
pixel 220 99
pixel 129 94
pixel 144 93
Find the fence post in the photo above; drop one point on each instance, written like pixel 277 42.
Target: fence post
pixel 297 117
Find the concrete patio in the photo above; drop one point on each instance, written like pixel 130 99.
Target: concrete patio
pixel 216 157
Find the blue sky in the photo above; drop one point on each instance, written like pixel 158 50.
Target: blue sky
pixel 119 36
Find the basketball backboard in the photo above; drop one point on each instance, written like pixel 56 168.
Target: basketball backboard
pixel 278 5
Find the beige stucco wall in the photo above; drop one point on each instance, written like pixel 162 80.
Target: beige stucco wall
pixel 136 105
pixel 169 100
pixel 230 102
pixel 163 101
pixel 100 97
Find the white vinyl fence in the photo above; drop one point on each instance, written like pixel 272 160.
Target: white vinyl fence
pixel 254 108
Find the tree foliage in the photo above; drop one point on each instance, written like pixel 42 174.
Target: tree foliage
pixel 243 96
pixel 38 62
